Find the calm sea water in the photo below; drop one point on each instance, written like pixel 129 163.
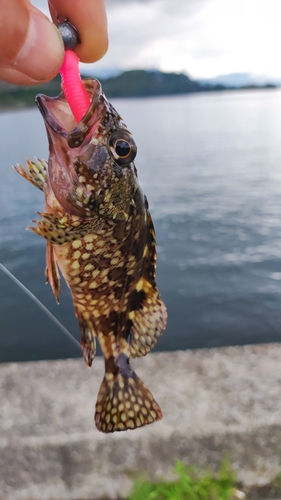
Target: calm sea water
pixel 211 168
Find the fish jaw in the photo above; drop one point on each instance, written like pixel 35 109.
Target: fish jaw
pixel 68 141
pixel 57 113
pixel 82 168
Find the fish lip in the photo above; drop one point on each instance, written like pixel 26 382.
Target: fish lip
pixel 50 120
pixel 52 107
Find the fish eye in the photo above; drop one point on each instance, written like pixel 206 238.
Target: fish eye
pixel 123 147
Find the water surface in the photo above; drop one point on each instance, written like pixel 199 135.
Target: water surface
pixel 210 165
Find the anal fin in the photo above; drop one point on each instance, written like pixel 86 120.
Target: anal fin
pixel 88 340
pixel 52 272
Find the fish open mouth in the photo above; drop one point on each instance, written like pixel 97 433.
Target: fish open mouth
pixel 69 142
pixel 58 116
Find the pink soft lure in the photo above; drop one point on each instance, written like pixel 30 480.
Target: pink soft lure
pixel 73 88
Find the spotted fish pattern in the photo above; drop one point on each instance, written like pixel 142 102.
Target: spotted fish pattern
pixel 100 235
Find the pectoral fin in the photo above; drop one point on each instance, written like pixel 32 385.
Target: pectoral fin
pixel 62 229
pixel 36 172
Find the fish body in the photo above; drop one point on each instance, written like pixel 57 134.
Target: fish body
pixel 100 235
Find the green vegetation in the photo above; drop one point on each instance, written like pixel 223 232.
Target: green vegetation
pixel 190 485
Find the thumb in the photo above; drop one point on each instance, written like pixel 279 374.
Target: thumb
pixel 31 48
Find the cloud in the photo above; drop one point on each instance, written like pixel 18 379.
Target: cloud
pixel 152 33
pixel 160 34
pixel 175 7
pixel 203 38
pixel 42 5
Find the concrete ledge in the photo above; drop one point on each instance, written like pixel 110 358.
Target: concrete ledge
pixel 214 402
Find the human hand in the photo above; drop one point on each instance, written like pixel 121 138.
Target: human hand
pixel 31 48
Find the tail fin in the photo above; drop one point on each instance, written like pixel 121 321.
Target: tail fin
pixel 124 403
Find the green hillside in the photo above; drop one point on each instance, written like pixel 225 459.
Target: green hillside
pixel 139 83
pixel 134 83
pixel 17 96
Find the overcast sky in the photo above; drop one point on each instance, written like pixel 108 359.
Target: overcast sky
pixel 203 38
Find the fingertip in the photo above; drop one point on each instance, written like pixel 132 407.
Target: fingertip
pixel 15 77
pixel 42 53
pixel 91 23
pixel 93 46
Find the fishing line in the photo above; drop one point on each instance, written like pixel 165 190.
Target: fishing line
pixel 41 306
pixel 79 102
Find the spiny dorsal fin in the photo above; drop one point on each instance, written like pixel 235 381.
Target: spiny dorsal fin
pixel 148 314
pixel 148 323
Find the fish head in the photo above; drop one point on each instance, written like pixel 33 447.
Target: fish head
pixel 91 167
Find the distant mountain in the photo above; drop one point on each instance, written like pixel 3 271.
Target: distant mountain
pixel 19 96
pixel 237 80
pixel 140 83
pixel 134 83
pixel 100 73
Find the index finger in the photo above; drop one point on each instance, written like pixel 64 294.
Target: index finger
pixel 89 18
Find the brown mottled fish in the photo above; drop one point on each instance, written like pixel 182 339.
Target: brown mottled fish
pixel 100 234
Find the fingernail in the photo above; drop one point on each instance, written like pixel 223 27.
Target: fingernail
pixel 41 56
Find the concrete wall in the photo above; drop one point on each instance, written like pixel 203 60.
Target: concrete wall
pixel 214 402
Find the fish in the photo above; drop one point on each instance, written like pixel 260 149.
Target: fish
pixel 100 237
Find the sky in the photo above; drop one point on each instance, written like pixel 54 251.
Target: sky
pixel 202 38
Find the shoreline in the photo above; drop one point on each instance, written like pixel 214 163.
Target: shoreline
pixel 215 402
pixel 17 104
